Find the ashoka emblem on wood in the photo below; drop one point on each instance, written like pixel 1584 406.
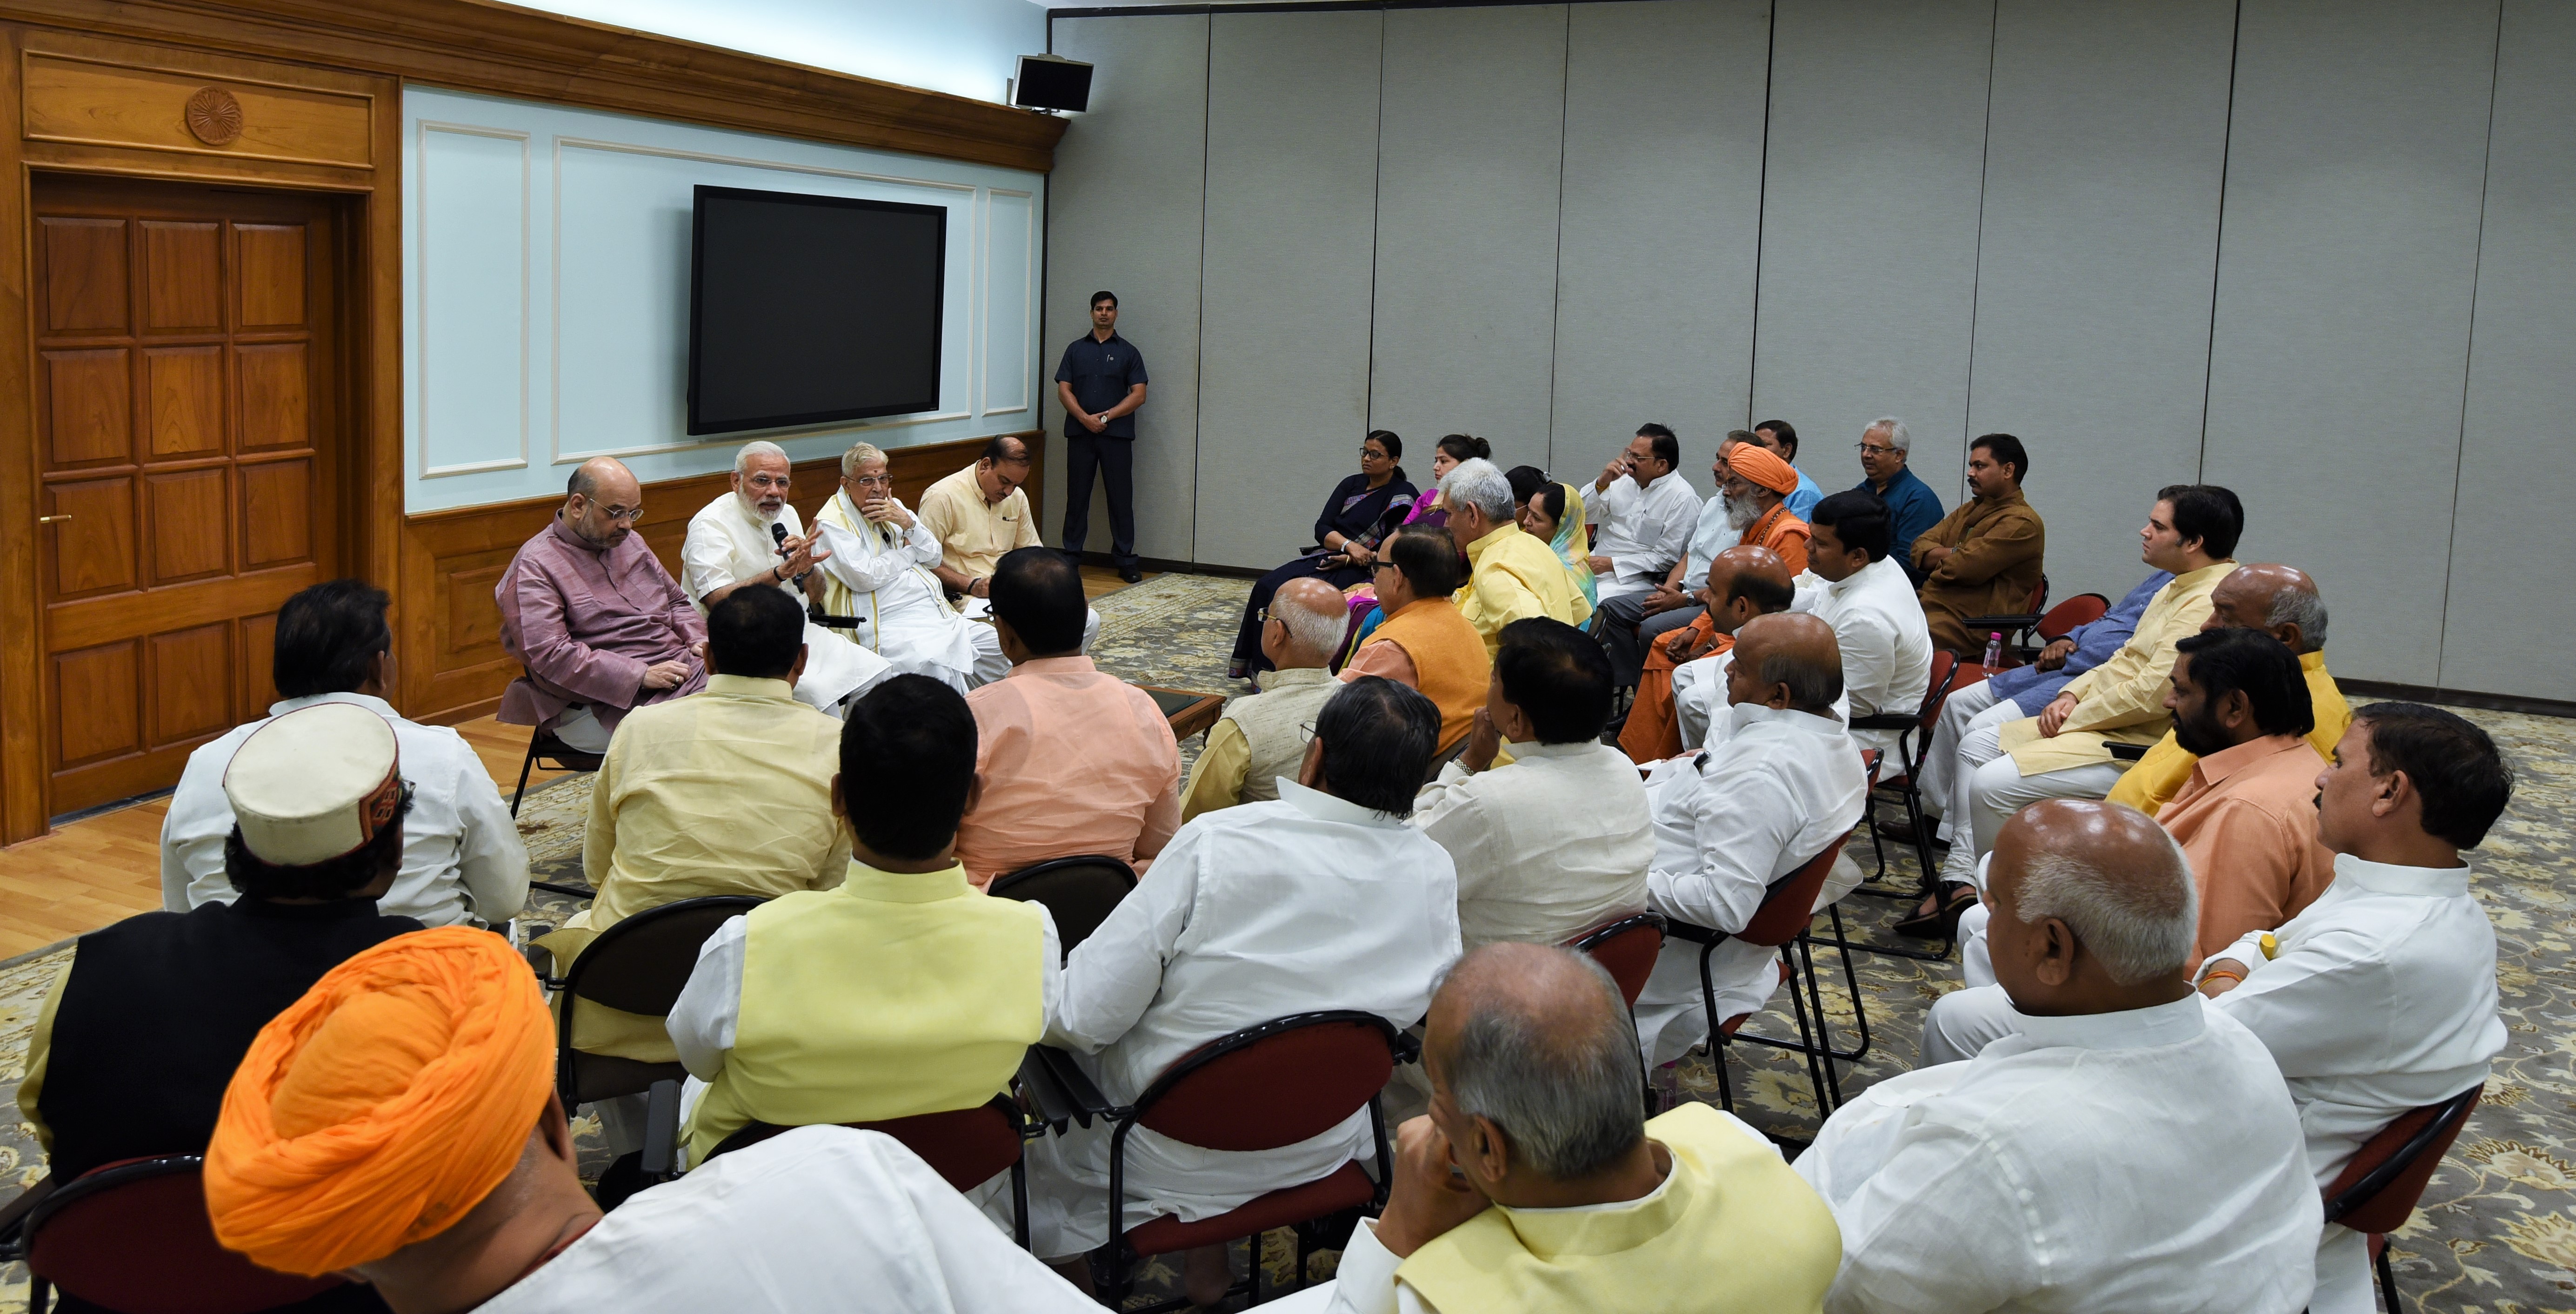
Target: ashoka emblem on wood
pixel 214 117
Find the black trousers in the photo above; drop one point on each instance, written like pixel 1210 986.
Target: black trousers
pixel 1115 460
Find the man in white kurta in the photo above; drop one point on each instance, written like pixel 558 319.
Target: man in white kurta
pixel 2380 997
pixel 1728 822
pixel 1854 585
pixel 2129 1148
pixel 879 574
pixel 732 543
pixel 1308 903
pixel 1645 509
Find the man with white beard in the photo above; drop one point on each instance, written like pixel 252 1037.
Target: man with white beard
pixel 876 568
pixel 733 543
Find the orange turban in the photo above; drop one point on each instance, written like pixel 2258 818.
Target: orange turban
pixel 379 1108
pixel 1760 465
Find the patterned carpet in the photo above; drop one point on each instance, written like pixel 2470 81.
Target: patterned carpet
pixel 2497 1231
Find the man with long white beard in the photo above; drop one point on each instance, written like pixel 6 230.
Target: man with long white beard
pixel 875 567
pixel 733 543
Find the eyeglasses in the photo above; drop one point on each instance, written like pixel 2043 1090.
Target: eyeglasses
pixel 622 514
pixel 873 481
pixel 1869 449
pixel 1306 728
pixel 765 482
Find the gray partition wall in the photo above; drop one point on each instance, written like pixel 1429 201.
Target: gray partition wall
pixel 2316 250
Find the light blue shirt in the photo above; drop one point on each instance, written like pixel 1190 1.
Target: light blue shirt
pixel 1804 500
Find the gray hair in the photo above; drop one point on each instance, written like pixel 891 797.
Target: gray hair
pixel 2303 609
pixel 1569 1104
pixel 1475 482
pixel 2140 923
pixel 1812 685
pixel 1897 437
pixel 1311 631
pixel 858 456
pixel 756 447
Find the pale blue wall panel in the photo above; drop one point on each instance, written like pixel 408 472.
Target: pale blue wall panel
pixel 469 372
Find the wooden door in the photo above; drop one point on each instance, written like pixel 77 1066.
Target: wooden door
pixel 189 440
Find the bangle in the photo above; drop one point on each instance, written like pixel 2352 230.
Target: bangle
pixel 2223 974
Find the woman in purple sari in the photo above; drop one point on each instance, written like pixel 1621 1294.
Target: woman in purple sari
pixel 1363 510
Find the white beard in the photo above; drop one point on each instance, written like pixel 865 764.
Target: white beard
pixel 1741 513
pixel 751 508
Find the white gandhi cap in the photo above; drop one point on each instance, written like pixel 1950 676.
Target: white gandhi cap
pixel 315 784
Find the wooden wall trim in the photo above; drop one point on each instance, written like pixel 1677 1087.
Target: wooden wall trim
pixel 448 630
pixel 474 45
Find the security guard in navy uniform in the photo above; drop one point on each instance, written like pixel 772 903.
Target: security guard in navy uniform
pixel 1101 382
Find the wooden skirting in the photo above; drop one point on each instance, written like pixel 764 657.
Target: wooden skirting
pixel 449 652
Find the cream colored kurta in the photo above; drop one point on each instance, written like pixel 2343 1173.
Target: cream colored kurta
pixel 727 542
pixel 1548 847
pixel 2122 699
pixel 881 575
pixel 973 533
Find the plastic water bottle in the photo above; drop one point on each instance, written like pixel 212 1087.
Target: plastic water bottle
pixel 1994 650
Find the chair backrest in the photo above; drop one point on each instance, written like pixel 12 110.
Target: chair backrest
pixel 2038 596
pixel 1790 903
pixel 2082 609
pixel 2378 1189
pixel 1273 1084
pixel 1627 947
pixel 966 1147
pixel 134 1236
pixel 1446 756
pixel 1078 892
pixel 640 964
pixel 1945 675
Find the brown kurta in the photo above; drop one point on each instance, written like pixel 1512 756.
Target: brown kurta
pixel 1993 572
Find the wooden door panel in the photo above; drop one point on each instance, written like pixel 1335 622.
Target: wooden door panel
pixel 188 684
pixel 256 665
pixel 88 406
pixel 272 275
pixel 274 381
pixel 183 398
pixel 84 274
pixel 184 522
pixel 93 542
pixel 94 621
pixel 97 713
pixel 276 513
pixel 183 277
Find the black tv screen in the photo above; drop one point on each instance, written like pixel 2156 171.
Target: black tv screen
pixel 810 309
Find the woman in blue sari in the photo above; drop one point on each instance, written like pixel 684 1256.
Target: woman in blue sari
pixel 1362 511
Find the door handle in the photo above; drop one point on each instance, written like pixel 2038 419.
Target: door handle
pixel 47 520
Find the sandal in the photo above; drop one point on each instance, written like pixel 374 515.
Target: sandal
pixel 1942 922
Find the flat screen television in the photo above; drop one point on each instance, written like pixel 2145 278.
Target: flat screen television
pixel 811 309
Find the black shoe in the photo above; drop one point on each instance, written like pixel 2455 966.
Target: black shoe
pixel 1131 574
pixel 1942 923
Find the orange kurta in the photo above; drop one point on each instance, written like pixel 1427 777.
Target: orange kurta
pixel 1070 761
pixel 2247 820
pixel 1653 731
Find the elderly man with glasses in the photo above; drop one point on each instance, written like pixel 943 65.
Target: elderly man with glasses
pixel 751 537
pixel 600 625
pixel 1912 507
pixel 876 571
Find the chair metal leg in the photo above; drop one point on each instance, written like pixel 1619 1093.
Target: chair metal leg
pixel 1818 1071
pixel 1815 994
pixel 1020 1201
pixel 1716 1038
pixel 2388 1281
pixel 40 1294
pixel 526 765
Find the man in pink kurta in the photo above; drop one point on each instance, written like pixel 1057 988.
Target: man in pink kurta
pixel 1067 760
pixel 594 616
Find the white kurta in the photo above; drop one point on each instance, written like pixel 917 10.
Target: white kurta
pixel 1886 643
pixel 818 1219
pixel 906 616
pixel 1699 701
pixel 1643 530
pixel 2381 999
pixel 1304 904
pixel 1547 847
pixel 1728 823
pixel 461 858
pixel 2140 1162
pixel 727 542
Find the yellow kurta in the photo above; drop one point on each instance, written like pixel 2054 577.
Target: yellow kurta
pixel 893 995
pixel 1512 576
pixel 2123 699
pixel 1733 1228
pixel 725 792
pixel 973 533
pixel 2162 773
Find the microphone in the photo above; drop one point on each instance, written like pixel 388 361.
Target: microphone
pixel 778 535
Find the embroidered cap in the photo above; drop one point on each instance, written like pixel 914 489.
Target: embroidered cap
pixel 315 784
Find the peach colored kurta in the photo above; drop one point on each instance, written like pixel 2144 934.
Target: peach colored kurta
pixel 1071 761
pixel 2247 820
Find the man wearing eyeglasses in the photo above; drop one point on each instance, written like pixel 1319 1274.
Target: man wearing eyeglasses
pixel 601 627
pixel 734 543
pixel 1912 506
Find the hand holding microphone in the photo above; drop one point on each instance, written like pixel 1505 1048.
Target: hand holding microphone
pixel 800 553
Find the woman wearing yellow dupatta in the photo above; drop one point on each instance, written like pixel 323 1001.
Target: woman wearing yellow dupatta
pixel 1553 513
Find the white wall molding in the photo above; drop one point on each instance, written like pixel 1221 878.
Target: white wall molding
pixel 421 297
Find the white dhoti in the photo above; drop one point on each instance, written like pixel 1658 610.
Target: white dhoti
pixel 728 541
pixel 879 576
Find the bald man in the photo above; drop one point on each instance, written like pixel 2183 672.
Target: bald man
pixel 2120 1145
pixel 1743 581
pixel 1781 789
pixel 1536 1183
pixel 590 611
pixel 1762 585
pixel 1262 737
pixel 2281 601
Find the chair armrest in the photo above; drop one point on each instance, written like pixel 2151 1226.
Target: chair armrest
pixel 2121 752
pixel 13 1218
pixel 1886 721
pixel 2007 623
pixel 661 1131
pixel 1694 934
pixel 1059 1090
pixel 541 961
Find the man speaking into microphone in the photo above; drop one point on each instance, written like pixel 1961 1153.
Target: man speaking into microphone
pixel 750 538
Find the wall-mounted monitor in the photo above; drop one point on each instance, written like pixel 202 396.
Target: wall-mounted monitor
pixel 812 309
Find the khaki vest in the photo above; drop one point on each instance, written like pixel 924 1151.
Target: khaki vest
pixel 1273 723
pixel 1450 663
pixel 890 996
pixel 1733 1230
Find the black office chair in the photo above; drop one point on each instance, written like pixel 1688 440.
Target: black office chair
pixel 1078 892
